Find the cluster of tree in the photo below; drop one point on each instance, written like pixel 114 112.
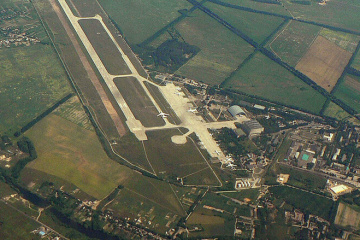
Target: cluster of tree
pixel 26 146
pixel 42 115
pixel 173 53
pixel 5 141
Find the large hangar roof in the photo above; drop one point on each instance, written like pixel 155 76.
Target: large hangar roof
pixel 236 110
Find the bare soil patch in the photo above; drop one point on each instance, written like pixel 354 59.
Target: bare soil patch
pixel 347 216
pixel 324 63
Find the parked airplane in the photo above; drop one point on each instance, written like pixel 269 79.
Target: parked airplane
pixel 217 152
pixel 193 110
pixel 163 115
pixel 232 166
pixel 178 93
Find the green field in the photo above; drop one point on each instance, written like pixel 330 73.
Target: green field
pixel 73 111
pixel 162 102
pixel 272 8
pixel 221 50
pixel 29 87
pixel 169 159
pixel 334 111
pixel 251 194
pixel 139 102
pixel 104 47
pixel 349 91
pixel 5 190
pixel 356 62
pixel 15 225
pixel 307 202
pixel 344 14
pixel 262 77
pixel 211 222
pixel 73 153
pixel 292 42
pixel 344 40
pixel 151 16
pixel 256 26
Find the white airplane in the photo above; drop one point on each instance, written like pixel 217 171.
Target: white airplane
pixel 193 110
pixel 230 165
pixel 178 93
pixel 217 152
pixel 179 89
pixel 229 160
pixel 163 115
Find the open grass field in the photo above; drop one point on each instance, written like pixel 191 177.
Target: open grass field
pixel 256 26
pixel 35 180
pixel 356 63
pixel 262 77
pixel 162 102
pixel 221 50
pixel 272 8
pixel 104 47
pixel 140 19
pixel 5 190
pixel 211 222
pixel 151 213
pixel 308 202
pixel 324 63
pixel 29 87
pixel 251 194
pixel 73 111
pixel 344 14
pixel 335 111
pixel 73 153
pixel 139 102
pixel 349 91
pixel 15 225
pixel 292 42
pixel 168 158
pixel 348 215
pixel 346 41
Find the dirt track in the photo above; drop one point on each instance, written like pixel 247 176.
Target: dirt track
pixel 92 75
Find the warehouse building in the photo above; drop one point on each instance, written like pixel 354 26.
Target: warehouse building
pixel 235 111
pixel 252 128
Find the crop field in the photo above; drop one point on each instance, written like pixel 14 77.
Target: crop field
pixel 221 50
pixel 139 102
pixel 73 111
pixel 73 153
pixel 335 111
pixel 262 77
pixel 11 220
pixel 272 8
pixel 349 91
pixel 168 158
pixel 344 14
pixel 346 41
pixel 140 19
pixel 324 63
pixel 348 215
pixel 256 26
pixel 292 42
pixel 29 87
pixel 104 47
